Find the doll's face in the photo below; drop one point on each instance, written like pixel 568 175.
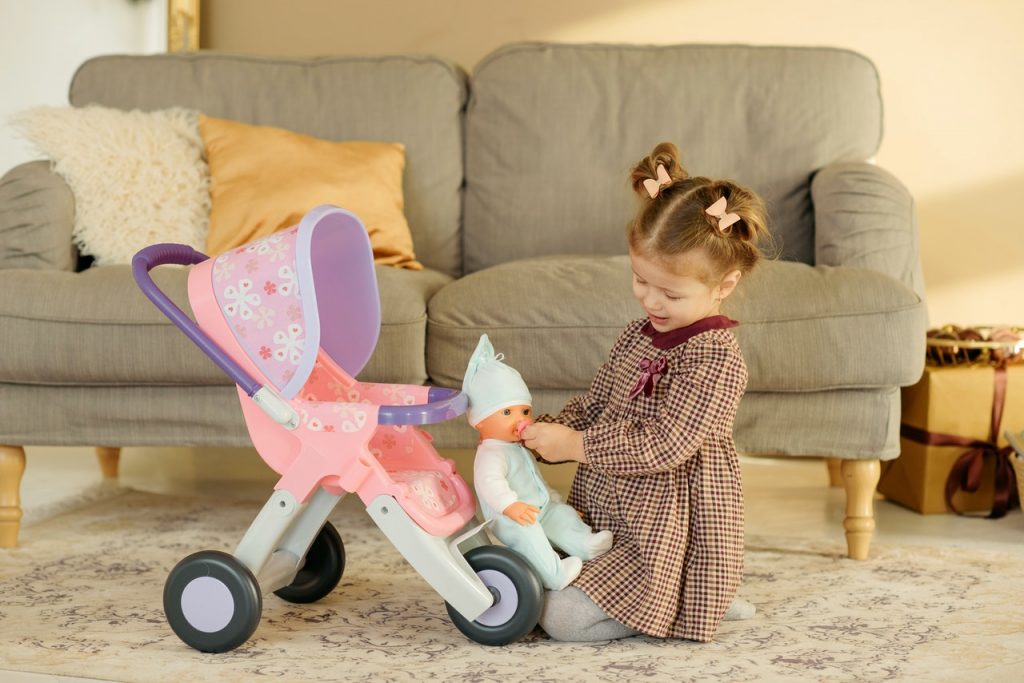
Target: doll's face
pixel 501 424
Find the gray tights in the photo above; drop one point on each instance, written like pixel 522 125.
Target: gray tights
pixel 570 615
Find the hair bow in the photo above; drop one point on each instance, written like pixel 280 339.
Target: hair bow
pixel 653 186
pixel 650 372
pixel 717 210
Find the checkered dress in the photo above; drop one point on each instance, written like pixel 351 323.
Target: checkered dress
pixel 664 476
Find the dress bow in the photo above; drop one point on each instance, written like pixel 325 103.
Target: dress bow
pixel 650 372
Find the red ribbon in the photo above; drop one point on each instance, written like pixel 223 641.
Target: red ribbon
pixel 650 372
pixel 966 471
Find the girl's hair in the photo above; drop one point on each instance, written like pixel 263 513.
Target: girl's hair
pixel 675 221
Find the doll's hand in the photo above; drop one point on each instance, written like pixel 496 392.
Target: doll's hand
pixel 554 443
pixel 522 513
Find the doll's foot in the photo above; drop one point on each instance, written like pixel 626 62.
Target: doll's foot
pixel 598 544
pixel 739 610
pixel 571 568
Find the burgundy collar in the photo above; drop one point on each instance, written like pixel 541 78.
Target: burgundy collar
pixel 673 338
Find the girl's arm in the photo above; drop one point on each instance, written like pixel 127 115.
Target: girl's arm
pixel 706 389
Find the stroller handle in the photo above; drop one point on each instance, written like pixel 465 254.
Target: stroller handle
pixel 184 255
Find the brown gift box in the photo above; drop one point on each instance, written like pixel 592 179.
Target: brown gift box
pixel 952 400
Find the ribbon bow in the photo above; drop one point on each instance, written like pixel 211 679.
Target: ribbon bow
pixel 650 372
pixel 653 186
pixel 966 471
pixel 717 210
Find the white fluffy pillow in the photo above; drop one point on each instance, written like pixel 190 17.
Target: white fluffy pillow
pixel 138 177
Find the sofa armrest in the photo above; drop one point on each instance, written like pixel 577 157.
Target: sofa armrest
pixel 37 211
pixel 864 217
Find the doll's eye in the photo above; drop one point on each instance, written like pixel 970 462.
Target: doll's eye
pixel 526 411
pixel 506 412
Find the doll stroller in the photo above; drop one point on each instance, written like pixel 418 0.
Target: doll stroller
pixel 292 319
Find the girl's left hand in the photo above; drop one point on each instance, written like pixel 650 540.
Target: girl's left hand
pixel 554 442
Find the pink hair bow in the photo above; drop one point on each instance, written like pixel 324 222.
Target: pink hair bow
pixel 717 210
pixel 650 372
pixel 653 186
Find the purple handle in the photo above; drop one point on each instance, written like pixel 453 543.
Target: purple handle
pixel 184 255
pixel 442 404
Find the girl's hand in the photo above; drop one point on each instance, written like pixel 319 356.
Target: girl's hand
pixel 554 442
pixel 522 513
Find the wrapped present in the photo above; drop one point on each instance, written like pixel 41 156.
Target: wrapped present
pixel 952 456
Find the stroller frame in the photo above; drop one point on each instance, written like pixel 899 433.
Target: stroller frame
pixel 213 600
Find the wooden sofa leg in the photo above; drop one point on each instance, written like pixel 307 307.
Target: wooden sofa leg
pixel 12 466
pixel 835 476
pixel 860 477
pixel 109 458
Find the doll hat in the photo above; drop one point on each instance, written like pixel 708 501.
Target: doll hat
pixel 490 385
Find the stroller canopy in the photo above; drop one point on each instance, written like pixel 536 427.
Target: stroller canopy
pixel 308 287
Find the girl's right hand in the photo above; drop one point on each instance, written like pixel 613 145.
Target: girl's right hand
pixel 522 513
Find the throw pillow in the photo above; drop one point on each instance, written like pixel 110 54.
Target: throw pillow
pixel 264 179
pixel 137 177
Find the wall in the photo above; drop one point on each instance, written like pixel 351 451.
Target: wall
pixel 42 44
pixel 951 74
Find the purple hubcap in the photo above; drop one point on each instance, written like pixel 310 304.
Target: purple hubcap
pixel 506 595
pixel 207 604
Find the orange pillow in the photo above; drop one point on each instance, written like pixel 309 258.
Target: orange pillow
pixel 263 179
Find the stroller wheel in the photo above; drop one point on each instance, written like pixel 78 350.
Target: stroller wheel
pixel 518 592
pixel 322 570
pixel 212 601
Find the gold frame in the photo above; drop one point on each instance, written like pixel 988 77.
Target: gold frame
pixel 182 25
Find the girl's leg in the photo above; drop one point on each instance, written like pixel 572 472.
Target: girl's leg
pixel 570 533
pixel 570 615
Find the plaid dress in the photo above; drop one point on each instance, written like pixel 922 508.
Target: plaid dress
pixel 664 476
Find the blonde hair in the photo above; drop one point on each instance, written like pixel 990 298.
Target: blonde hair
pixel 675 222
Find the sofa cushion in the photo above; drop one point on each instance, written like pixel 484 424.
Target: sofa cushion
pixel 96 328
pixel 37 210
pixel 553 130
pixel 413 100
pixel 801 328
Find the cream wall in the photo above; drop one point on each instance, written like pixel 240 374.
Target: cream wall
pixel 952 75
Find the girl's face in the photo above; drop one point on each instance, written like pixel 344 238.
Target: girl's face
pixel 677 297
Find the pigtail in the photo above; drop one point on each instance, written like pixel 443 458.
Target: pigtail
pixel 666 155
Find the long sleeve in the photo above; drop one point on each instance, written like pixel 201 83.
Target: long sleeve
pixel 490 478
pixel 705 388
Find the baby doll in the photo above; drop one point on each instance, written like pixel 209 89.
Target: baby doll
pixel 525 513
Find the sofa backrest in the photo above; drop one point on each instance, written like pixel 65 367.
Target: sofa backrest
pixel 552 132
pixel 414 100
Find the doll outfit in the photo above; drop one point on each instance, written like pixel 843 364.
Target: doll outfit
pixel 663 475
pixel 505 472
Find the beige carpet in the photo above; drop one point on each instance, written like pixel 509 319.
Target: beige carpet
pixel 82 596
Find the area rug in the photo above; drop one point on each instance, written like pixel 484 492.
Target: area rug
pixel 82 597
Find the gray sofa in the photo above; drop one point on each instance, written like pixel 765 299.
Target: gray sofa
pixel 516 191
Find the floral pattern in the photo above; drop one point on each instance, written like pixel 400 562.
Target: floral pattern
pixel 82 597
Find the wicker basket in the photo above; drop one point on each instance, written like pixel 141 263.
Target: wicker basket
pixel 983 345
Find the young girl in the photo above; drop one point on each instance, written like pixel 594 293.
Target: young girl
pixel 654 433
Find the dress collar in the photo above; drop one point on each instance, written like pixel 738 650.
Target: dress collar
pixel 673 338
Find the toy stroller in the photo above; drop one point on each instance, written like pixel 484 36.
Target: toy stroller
pixel 292 319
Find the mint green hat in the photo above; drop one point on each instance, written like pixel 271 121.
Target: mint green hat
pixel 491 385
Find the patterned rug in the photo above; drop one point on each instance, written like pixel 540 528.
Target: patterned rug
pixel 82 597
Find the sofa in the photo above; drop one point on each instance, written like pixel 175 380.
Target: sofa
pixel 517 198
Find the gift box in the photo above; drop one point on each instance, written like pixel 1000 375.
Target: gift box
pixel 954 406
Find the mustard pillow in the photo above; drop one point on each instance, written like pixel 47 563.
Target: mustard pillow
pixel 263 179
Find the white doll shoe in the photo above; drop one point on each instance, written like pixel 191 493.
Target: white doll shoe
pixel 598 544
pixel 571 568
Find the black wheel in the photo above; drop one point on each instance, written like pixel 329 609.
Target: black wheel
pixel 518 594
pixel 322 570
pixel 212 601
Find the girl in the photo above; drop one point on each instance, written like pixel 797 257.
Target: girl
pixel 654 433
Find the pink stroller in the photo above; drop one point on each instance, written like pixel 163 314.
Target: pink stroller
pixel 292 319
